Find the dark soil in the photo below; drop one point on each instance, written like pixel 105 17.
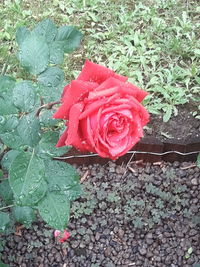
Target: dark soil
pixel 184 126
pixel 145 216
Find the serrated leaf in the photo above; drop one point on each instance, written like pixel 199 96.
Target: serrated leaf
pixel 62 177
pixel 46 118
pixel 21 34
pixel 70 38
pixel 27 179
pixel 12 139
pixel 29 130
pixel 46 29
pixel 50 94
pixel 55 210
pixel 24 215
pixel 24 96
pixel 6 83
pixel 4 221
pixel 8 123
pixel 8 159
pixel 51 77
pixel 34 54
pixel 56 50
pixel 5 192
pixel 167 114
pixel 6 87
pixel 47 146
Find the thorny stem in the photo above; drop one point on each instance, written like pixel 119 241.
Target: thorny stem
pixel 3 208
pixel 47 106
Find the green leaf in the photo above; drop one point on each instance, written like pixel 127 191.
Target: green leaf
pixel 190 250
pixel 54 208
pixel 50 94
pixel 69 37
pixel 62 177
pixel 24 215
pixel 8 123
pixel 46 118
pixel 56 50
pixel 34 54
pixel 6 86
pixel 5 192
pixel 21 34
pixel 8 159
pixel 12 139
pixel 46 29
pixel 4 221
pixel 168 114
pixel 51 77
pixel 24 96
pixel 47 145
pixel 29 130
pixel 27 179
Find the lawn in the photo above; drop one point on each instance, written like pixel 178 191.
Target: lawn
pixel 155 43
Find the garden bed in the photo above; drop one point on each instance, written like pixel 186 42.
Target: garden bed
pixel 135 215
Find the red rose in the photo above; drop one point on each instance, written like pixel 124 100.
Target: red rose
pixel 103 112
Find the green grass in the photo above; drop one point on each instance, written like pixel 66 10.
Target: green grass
pixel 155 43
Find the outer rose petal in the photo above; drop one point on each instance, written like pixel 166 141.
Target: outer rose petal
pixel 96 73
pixel 123 88
pixel 74 91
pixel 73 123
pixel 61 141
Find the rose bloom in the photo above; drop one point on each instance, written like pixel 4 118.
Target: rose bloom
pixel 103 112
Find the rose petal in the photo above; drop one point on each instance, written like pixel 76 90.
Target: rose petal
pixel 74 91
pixel 87 132
pixel 73 123
pixel 98 94
pixel 61 141
pixel 123 88
pixel 96 73
pixel 114 139
pixel 90 108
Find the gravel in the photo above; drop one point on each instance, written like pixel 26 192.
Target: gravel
pixel 142 215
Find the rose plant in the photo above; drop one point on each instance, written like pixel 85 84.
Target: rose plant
pixel 31 182
pixel 103 111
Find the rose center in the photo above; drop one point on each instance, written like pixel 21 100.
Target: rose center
pixel 116 125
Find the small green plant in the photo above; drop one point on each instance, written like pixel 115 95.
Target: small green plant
pixel 188 253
